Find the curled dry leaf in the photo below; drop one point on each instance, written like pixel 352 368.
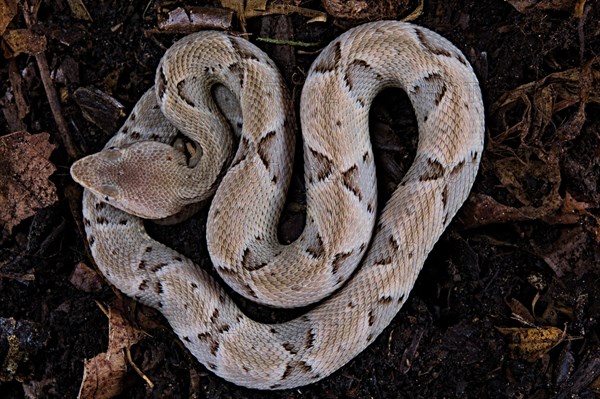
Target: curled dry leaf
pixel 532 343
pixel 24 171
pixel 103 375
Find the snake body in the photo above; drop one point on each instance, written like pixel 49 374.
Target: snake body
pixel 142 174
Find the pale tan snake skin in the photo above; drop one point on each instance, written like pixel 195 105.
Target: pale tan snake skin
pixel 155 180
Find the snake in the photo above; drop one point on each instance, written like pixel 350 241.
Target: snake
pixel 219 123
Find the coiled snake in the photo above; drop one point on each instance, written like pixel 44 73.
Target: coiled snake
pixel 141 173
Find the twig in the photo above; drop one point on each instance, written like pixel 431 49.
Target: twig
pixel 137 369
pixel 286 42
pixel 64 136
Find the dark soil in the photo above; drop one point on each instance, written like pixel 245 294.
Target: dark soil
pixel 444 342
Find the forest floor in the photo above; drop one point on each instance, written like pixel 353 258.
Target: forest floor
pixel 507 304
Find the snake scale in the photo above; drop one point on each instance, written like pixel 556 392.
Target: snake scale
pixel 145 172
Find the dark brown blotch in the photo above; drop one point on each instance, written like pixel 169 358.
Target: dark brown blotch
pixel 445 196
pixel 250 291
pixel 162 85
pixel 224 328
pixel 395 244
pixel 350 181
pixel 309 339
pixel 329 58
pixel 338 259
pixel 431 46
pixel 434 77
pixel 316 248
pixel 205 336
pixel 323 166
pixel 243 52
pixel 143 285
pixel 434 170
pixel 237 69
pixel 158 288
pixel 288 370
pixel 249 262
pixel 290 348
pixel 355 70
pixel 242 152
pixel 456 169
pixel 371 318
pixel 158 266
pixel 383 261
pixel 460 59
pixel 440 95
pixel 214 316
pixel 183 95
pixel 265 148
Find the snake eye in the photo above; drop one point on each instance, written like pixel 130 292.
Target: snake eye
pixel 108 190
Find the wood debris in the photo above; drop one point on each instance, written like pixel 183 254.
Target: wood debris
pixel 24 171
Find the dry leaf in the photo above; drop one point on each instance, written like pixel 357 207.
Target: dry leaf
pixel 520 311
pixel 24 172
pixel 532 343
pixel 85 279
pixel 8 10
pixel 570 253
pixel 524 6
pixel 79 10
pixel 526 151
pixel 103 375
pixel 19 41
pixel 100 108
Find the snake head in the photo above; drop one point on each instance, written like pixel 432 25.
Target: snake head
pixel 137 179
